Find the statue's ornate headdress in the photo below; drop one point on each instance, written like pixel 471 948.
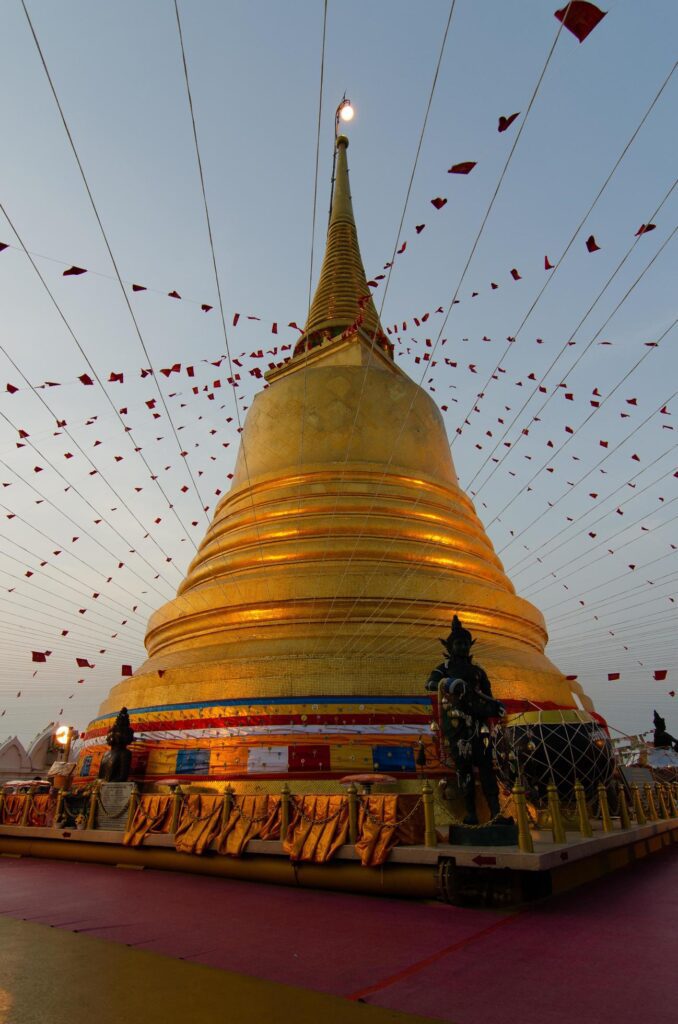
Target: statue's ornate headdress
pixel 456 633
pixel 121 734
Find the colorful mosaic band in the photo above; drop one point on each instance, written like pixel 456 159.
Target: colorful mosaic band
pixel 323 737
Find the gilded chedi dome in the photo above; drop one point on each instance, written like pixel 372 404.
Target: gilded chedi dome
pixel 300 641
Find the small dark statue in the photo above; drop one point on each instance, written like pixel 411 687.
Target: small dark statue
pixel 661 737
pixel 115 764
pixel 465 704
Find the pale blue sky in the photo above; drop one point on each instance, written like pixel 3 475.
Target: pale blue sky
pixel 254 71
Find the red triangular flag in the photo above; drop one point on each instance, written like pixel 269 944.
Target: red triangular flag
pixel 547 264
pixel 612 677
pixel 591 244
pixel 139 288
pixel 74 271
pixel 644 228
pixel 126 670
pixel 580 18
pixel 660 674
pixel 506 122
pixel 465 167
pixel 438 202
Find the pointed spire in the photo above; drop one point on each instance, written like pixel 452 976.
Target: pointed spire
pixel 342 298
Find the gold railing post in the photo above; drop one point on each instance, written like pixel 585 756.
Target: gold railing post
pixel 27 806
pixel 59 806
pixel 663 805
pixel 604 809
pixel 582 810
pixel 227 805
pixel 638 809
pixel 652 813
pixel 674 790
pixel 557 827
pixel 93 800
pixel 177 799
pixel 133 803
pixel 430 836
pixel 671 800
pixel 284 810
pixel 2 800
pixel 352 792
pixel 623 808
pixel 525 843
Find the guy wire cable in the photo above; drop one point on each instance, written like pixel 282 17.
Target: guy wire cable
pixel 605 515
pixel 75 489
pixel 558 262
pixel 586 420
pixel 217 280
pixel 137 329
pixel 386 601
pixel 388 278
pixel 565 346
pixel 531 555
pixel 453 300
pixel 126 431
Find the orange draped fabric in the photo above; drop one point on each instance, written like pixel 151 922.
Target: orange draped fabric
pixel 153 814
pixel 388 821
pixel 251 817
pixel 319 826
pixel 13 808
pixel 41 813
pixel 198 822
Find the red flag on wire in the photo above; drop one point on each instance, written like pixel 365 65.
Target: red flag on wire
pixel 438 202
pixel 580 18
pixel 591 244
pixel 465 167
pixel 74 271
pixel 506 122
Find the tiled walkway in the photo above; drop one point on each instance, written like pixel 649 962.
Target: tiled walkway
pixel 604 953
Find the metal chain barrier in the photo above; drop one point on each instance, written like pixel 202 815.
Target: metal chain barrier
pixel 310 819
pixel 248 818
pixel 185 809
pixel 387 824
pixel 456 821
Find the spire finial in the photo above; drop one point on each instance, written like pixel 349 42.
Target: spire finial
pixel 342 299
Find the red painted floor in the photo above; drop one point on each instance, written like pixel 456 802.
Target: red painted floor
pixel 605 953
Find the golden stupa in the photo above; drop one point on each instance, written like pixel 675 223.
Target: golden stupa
pixel 300 641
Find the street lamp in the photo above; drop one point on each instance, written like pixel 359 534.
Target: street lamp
pixel 64 737
pixel 345 112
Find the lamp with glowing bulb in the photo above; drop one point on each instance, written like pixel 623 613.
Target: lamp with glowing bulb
pixel 64 736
